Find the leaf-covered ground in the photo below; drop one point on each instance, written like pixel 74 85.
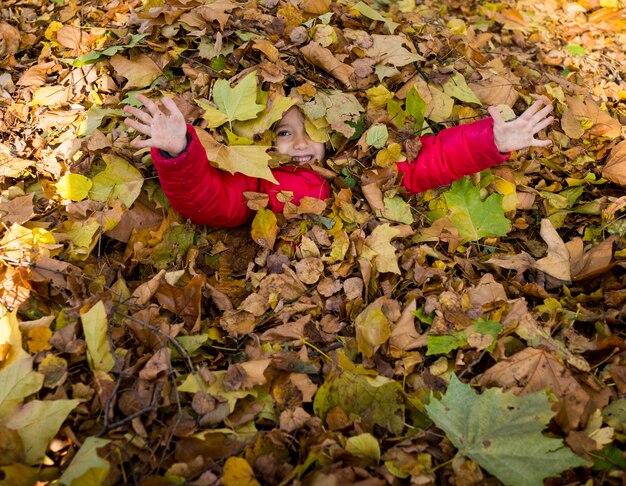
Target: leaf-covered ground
pixel 335 343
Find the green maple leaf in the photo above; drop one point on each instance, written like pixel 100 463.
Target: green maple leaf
pixel 238 103
pixel 474 218
pixel 502 433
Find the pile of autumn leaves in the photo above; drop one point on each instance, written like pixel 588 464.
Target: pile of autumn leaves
pixel 177 339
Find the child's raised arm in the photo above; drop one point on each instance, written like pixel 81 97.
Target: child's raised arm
pixel 519 134
pixel 165 131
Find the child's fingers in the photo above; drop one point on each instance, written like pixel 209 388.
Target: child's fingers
pixel 140 127
pixel 495 114
pixel 150 105
pixel 543 124
pixel 541 143
pixel 139 114
pixel 142 143
pixel 172 108
pixel 534 108
pixel 541 115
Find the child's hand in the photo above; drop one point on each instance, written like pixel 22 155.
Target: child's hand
pixel 519 134
pixel 165 131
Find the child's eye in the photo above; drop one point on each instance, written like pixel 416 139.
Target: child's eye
pixel 282 133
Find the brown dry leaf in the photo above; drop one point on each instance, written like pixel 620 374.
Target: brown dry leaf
pixel 592 263
pixel 291 331
pixel 533 370
pixel 17 210
pixel 591 113
pixel 615 167
pixel 140 71
pixel 9 40
pixel 404 336
pixel 324 59
pixel 146 290
pixel 158 366
pixel 487 291
pixel 557 262
pixel 292 420
pixel 237 323
pixel 494 89
pixel 37 75
pixel 71 37
pixel 183 302
pixel 309 270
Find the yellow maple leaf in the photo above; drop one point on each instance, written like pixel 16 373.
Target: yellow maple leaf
pixel 251 160
pixel 380 251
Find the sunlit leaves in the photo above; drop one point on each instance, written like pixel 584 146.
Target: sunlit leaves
pixel 502 432
pixel 119 180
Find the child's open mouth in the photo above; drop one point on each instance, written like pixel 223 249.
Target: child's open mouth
pixel 302 159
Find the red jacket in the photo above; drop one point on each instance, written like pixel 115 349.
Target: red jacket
pixel 214 197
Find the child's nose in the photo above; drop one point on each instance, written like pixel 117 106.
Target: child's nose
pixel 301 142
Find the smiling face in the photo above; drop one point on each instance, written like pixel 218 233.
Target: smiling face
pixel 292 139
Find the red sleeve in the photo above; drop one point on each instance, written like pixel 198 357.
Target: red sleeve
pixel 201 192
pixel 214 197
pixel 451 154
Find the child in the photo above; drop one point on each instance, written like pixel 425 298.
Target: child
pixel 213 197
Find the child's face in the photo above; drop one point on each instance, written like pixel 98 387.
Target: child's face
pixel 292 139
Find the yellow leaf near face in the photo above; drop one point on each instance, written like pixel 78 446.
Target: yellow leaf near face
pixel 234 139
pixel 251 160
pixel 259 125
pixel 74 187
pixel 214 117
pixel 238 103
pixel 264 228
pixel 237 472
